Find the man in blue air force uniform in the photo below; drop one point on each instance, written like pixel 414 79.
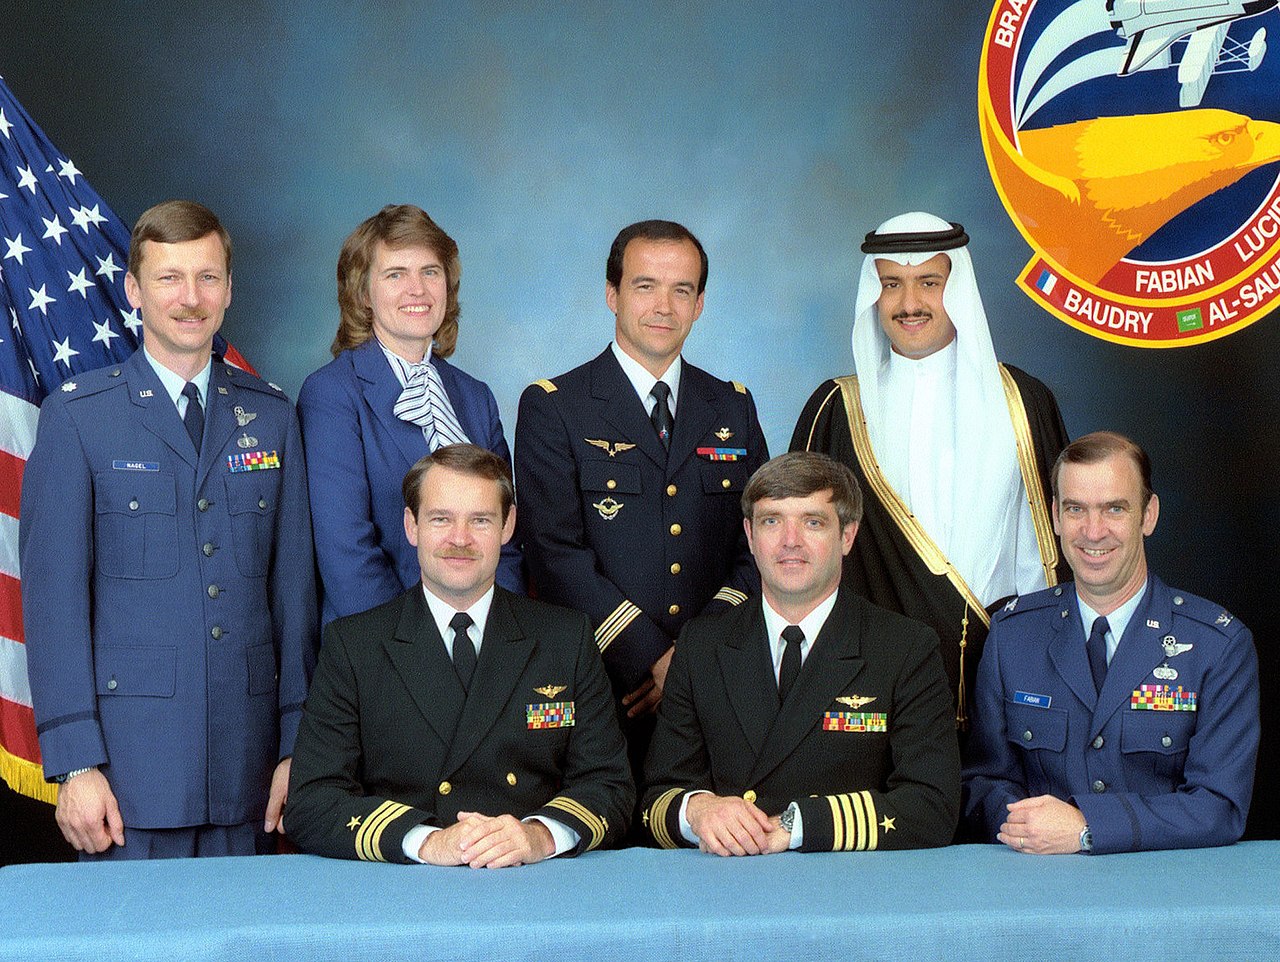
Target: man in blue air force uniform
pixel 1113 714
pixel 168 585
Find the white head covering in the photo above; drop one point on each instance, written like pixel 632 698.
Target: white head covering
pixel 986 485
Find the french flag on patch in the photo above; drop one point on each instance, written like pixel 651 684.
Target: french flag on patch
pixel 1046 282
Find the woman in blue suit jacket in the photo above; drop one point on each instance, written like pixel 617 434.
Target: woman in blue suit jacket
pixel 398 278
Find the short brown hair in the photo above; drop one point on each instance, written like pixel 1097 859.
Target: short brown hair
pixel 398 226
pixel 1100 445
pixel 799 474
pixel 465 459
pixel 173 222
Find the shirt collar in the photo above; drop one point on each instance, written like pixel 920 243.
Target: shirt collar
pixel 643 381
pixel 939 364
pixel 173 383
pixel 811 624
pixel 442 612
pixel 1118 620
pixel 403 369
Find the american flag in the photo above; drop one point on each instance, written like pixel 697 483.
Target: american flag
pixel 63 310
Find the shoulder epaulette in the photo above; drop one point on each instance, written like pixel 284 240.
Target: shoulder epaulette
pixel 1206 613
pixel 89 382
pixel 546 385
pixel 1036 600
pixel 252 382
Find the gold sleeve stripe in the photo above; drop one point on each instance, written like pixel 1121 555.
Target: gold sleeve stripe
pixel 808 443
pixel 732 595
pixel 616 624
pixel 853 822
pixel 369 838
pixel 546 385
pixel 658 818
pixel 583 814
pixel 1031 477
pixel 739 387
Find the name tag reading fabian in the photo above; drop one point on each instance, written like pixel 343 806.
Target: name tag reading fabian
pixel 1034 700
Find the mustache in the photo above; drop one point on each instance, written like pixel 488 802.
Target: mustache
pixel 904 315
pixel 467 553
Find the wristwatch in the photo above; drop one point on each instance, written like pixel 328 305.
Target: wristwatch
pixel 1086 839
pixel 63 779
pixel 788 818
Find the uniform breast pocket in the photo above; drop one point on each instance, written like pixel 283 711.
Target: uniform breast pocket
pixel 1041 733
pixel 1162 736
pixel 724 477
pixel 135 524
pixel 610 477
pixel 251 501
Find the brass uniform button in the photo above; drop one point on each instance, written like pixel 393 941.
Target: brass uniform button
pixel 675 568
pixel 749 795
pixel 511 778
pixel 673 610
pixel 445 788
pixel 676 529
pixel 671 490
pixel 725 483
pixel 611 484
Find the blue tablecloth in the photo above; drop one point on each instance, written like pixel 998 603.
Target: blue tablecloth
pixel 964 902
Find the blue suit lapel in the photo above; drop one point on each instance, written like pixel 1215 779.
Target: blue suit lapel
pixel 469 418
pixel 746 671
pixel 381 390
pixel 695 416
pixel 1140 651
pixel 419 656
pixel 220 420
pixel 1067 650
pixel 158 412
pixel 623 408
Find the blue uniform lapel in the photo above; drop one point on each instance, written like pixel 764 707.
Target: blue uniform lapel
pixel 159 413
pixel 381 390
pixel 623 408
pixel 219 421
pixel 1140 651
pixel 1067 649
pixel 696 416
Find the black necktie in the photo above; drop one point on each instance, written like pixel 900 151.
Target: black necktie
pixel 194 418
pixel 1097 651
pixel 793 636
pixel 464 649
pixel 661 414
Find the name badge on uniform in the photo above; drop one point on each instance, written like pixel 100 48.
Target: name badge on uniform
pixel 135 465
pixel 550 714
pixel 855 721
pixel 722 454
pixel 1032 699
pixel 253 461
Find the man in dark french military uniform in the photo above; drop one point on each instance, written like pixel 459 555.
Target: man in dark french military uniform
pixel 630 469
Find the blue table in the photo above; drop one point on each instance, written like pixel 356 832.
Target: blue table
pixel 964 902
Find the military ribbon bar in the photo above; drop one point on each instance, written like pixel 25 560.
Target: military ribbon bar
pixel 722 454
pixel 551 714
pixel 1160 698
pixel 253 461
pixel 855 721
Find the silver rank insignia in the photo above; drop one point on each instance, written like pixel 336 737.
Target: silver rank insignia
pixel 550 691
pixel 856 701
pixel 617 447
pixel 243 417
pixel 608 508
pixel 69 386
pixel 246 441
pixel 1224 619
pixel 1165 673
pixel 222 390
pixel 724 434
pixel 1173 647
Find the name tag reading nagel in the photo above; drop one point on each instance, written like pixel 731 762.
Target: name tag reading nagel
pixel 1029 698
